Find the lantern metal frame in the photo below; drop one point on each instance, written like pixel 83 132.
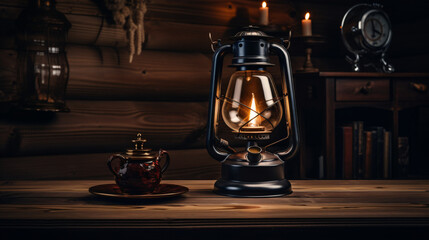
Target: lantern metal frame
pixel 254 172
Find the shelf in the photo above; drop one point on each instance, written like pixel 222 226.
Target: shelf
pixel 327 99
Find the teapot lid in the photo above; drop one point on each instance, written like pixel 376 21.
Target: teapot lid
pixel 139 152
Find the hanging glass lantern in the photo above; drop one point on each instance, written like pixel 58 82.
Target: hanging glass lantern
pixel 43 68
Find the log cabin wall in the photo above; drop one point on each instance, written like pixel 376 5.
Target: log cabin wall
pixel 163 93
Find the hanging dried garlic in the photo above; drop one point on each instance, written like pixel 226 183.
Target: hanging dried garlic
pixel 130 15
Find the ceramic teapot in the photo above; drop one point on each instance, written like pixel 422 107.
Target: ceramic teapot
pixel 138 170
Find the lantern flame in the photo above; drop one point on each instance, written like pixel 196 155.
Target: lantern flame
pixel 253 113
pixel 307 16
pixel 264 4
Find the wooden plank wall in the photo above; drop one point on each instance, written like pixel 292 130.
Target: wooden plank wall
pixel 162 94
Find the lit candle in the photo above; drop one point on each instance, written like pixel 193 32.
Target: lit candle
pixel 306 25
pixel 263 14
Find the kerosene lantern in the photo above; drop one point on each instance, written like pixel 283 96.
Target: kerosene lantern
pixel 43 68
pixel 254 111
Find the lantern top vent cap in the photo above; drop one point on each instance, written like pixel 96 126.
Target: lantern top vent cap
pixel 250 32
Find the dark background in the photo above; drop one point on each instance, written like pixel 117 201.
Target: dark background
pixel 163 94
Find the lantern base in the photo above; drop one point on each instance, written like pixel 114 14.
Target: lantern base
pixel 244 178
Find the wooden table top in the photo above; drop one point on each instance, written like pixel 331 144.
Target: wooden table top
pixel 313 202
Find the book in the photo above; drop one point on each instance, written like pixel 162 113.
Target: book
pixel 361 150
pixel 339 152
pixel 368 160
pixel 387 165
pixel 358 144
pixel 347 151
pixel 364 152
pixel 403 160
pixel 373 154
pixel 379 151
pixel 321 167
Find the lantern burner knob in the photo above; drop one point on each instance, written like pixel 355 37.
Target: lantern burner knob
pixel 254 154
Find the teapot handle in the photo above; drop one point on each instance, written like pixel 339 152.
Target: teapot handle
pixel 109 162
pixel 167 159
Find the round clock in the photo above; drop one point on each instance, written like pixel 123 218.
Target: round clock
pixel 367 33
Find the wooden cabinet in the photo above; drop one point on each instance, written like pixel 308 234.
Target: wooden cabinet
pixel 412 90
pixel 399 102
pixel 362 90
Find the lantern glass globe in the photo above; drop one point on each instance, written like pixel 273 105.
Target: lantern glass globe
pixel 251 102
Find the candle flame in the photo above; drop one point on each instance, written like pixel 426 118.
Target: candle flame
pixel 264 4
pixel 253 113
pixel 307 16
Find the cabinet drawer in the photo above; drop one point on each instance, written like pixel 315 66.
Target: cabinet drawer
pixel 412 90
pixel 362 90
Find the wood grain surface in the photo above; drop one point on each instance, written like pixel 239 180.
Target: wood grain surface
pixel 97 31
pixel 106 126
pixel 154 75
pixel 354 201
pixel 207 12
pixel 180 26
pixel 105 73
pixel 326 209
pixel 184 164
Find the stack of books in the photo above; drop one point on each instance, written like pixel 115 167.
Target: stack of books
pixel 364 152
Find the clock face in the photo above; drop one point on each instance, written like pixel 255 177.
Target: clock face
pixel 376 29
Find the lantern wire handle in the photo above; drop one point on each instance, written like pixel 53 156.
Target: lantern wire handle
pixel 214 43
pixel 286 42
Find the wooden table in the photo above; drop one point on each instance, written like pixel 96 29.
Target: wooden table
pixel 322 208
